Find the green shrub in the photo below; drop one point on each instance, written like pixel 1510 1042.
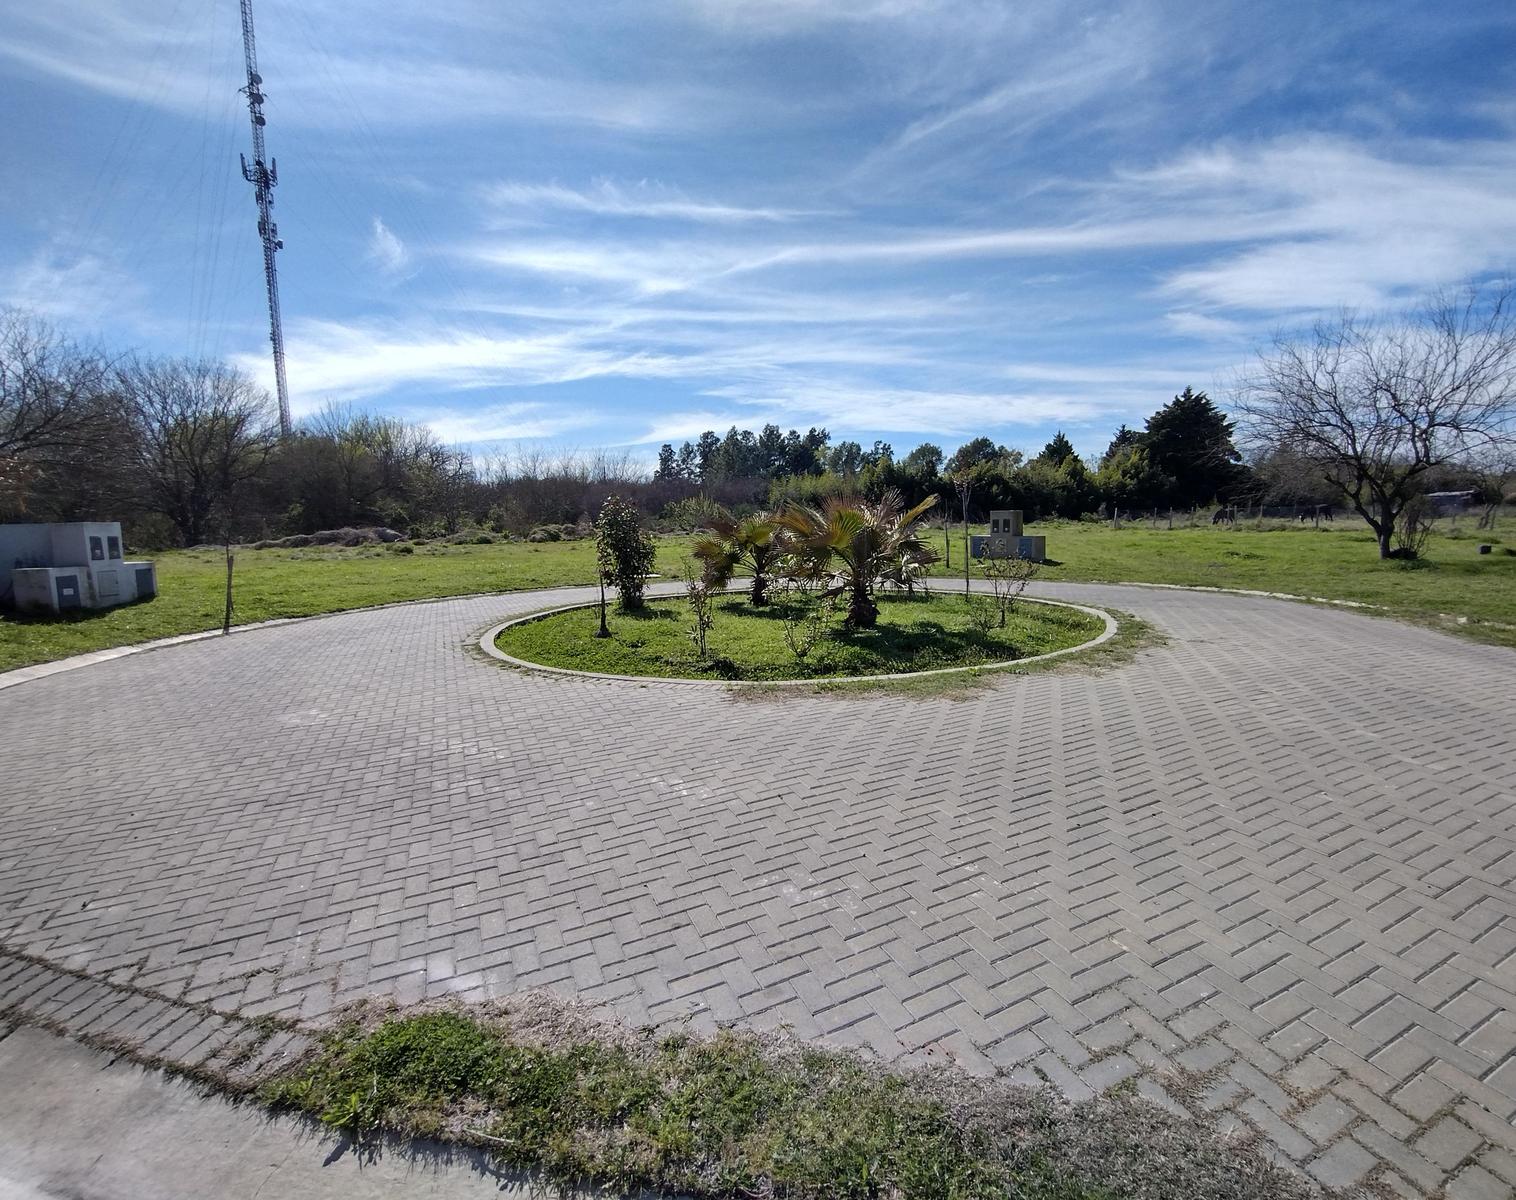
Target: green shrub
pixel 624 550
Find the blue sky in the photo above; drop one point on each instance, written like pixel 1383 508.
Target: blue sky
pixel 616 224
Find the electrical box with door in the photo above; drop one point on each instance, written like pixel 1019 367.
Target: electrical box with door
pixel 70 565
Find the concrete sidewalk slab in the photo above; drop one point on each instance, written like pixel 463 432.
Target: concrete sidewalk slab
pixel 77 1123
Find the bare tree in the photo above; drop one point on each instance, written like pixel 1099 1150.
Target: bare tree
pixel 58 413
pixel 1375 403
pixel 1008 578
pixel 204 430
pixel 1494 475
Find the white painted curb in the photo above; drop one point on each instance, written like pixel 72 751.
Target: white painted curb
pixel 487 644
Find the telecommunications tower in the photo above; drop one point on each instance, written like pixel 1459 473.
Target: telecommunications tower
pixel 263 174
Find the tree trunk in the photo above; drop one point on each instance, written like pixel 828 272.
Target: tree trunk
pixel 226 619
pixel 862 612
pixel 760 585
pixel 1378 518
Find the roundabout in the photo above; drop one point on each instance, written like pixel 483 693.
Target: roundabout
pixel 916 635
pixel 1264 871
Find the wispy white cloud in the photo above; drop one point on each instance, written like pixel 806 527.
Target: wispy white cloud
pixel 651 269
pixel 334 361
pixel 499 422
pixel 842 404
pixel 69 286
pixel 387 251
pixel 1191 324
pixel 1367 229
pixel 921 216
pixel 643 199
pixel 324 69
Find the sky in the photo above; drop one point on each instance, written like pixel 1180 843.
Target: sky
pixel 617 224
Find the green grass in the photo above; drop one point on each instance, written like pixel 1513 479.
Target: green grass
pixel 714 1117
pixel 298 583
pixel 1452 588
pixel 1455 589
pixel 1133 635
pixel 919 633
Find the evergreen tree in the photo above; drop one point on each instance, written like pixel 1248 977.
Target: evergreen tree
pixel 1129 482
pixel 924 462
pixel 737 457
pixel 668 467
pixel 1058 451
pixel 624 551
pixel 770 458
pixel 1190 440
pixel 706 449
pixel 816 441
pixel 972 454
pixel 1124 438
pixel 846 458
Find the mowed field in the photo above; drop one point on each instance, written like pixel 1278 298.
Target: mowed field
pixel 1455 588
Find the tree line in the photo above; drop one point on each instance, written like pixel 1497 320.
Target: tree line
pixel 1185 456
pixel 1366 414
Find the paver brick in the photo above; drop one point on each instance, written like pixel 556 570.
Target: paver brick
pixel 1226 858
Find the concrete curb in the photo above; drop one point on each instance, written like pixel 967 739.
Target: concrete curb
pixel 487 644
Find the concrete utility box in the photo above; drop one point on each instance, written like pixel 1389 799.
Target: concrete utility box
pixel 1006 540
pixel 76 564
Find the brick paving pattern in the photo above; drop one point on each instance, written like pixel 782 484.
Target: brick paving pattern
pixel 1267 871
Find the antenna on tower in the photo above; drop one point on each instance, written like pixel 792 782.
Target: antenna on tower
pixel 264 178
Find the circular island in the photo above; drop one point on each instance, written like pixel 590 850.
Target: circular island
pixel 798 638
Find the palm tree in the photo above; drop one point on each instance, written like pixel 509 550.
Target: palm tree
pixel 750 542
pixel 863 542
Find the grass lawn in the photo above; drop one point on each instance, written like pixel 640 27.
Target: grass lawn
pixel 1453 587
pixel 917 633
pixel 298 583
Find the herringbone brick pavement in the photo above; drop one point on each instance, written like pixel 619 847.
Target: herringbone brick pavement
pixel 1267 871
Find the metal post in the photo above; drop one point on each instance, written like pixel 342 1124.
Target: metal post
pixel 604 630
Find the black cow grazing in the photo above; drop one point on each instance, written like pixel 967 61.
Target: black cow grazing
pixel 1225 516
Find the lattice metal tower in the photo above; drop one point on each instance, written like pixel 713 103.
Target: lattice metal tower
pixel 264 178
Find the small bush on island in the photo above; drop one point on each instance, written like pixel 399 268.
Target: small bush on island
pixel 699 593
pixel 1008 579
pixel 806 620
pixel 624 551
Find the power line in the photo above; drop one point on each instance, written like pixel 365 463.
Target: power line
pixel 264 178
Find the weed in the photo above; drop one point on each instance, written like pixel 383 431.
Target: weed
pixel 708 1117
pixel 745 1115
